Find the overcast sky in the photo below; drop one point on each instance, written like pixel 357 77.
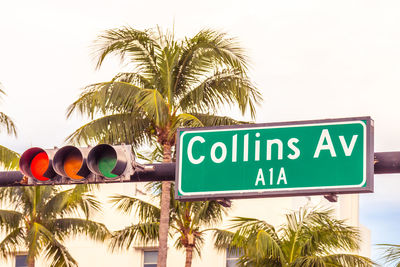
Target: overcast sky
pixel 311 60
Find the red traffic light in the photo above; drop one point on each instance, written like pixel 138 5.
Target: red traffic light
pixel 36 163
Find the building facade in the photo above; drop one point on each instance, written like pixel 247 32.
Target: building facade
pixel 89 253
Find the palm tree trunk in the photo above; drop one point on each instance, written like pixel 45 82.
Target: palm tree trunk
pixel 164 216
pixel 31 262
pixel 189 256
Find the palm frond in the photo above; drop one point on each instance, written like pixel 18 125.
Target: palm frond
pixel 133 78
pixel 88 102
pixel 69 227
pixel 7 124
pixel 315 261
pixel 167 59
pixel 199 243
pixel 204 52
pixel 391 253
pixel 12 242
pixel 113 129
pixel 249 226
pixel 116 96
pixel 222 48
pixel 40 238
pixel 139 46
pixel 347 260
pixel 311 231
pixel 80 198
pixel 223 87
pixel 19 198
pixel 146 212
pixel 183 120
pixel 257 239
pixel 59 256
pixel 207 213
pixel 153 104
pixel 245 261
pixel 10 219
pixel 34 239
pixel 223 239
pixel 8 158
pixel 263 246
pixel 69 202
pixel 257 245
pixel 137 234
pixel 186 120
pixel 87 203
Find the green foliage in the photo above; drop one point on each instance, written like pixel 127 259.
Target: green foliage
pixel 309 238
pixel 40 218
pixel 391 254
pixel 8 158
pixel 186 219
pixel 173 84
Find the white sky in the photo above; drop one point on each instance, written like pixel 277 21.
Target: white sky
pixel 311 59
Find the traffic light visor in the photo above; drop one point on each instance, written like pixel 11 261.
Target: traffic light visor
pixel 69 161
pixel 35 163
pixel 107 161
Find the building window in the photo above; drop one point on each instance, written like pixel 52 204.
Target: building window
pixel 150 258
pixel 232 258
pixel 21 260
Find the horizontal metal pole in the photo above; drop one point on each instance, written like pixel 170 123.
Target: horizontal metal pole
pixel 148 173
pixel 385 162
pixel 155 172
pixel 11 178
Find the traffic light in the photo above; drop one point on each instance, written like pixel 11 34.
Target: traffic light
pixel 36 163
pixel 70 161
pixel 107 161
pixel 71 164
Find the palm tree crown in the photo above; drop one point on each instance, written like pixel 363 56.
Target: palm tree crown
pixel 310 238
pixel 173 84
pixel 40 218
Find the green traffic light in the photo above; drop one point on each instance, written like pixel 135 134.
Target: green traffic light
pixel 106 165
pixel 107 161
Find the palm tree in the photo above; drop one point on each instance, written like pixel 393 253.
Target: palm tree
pixel 188 222
pixel 8 158
pixel 40 218
pixel 310 238
pixel 391 254
pixel 173 84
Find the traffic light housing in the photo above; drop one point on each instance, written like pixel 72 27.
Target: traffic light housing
pixel 71 164
pixel 36 163
pixel 107 161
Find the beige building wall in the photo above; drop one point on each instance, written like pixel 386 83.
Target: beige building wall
pixel 89 253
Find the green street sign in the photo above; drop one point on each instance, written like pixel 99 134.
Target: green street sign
pixel 275 159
